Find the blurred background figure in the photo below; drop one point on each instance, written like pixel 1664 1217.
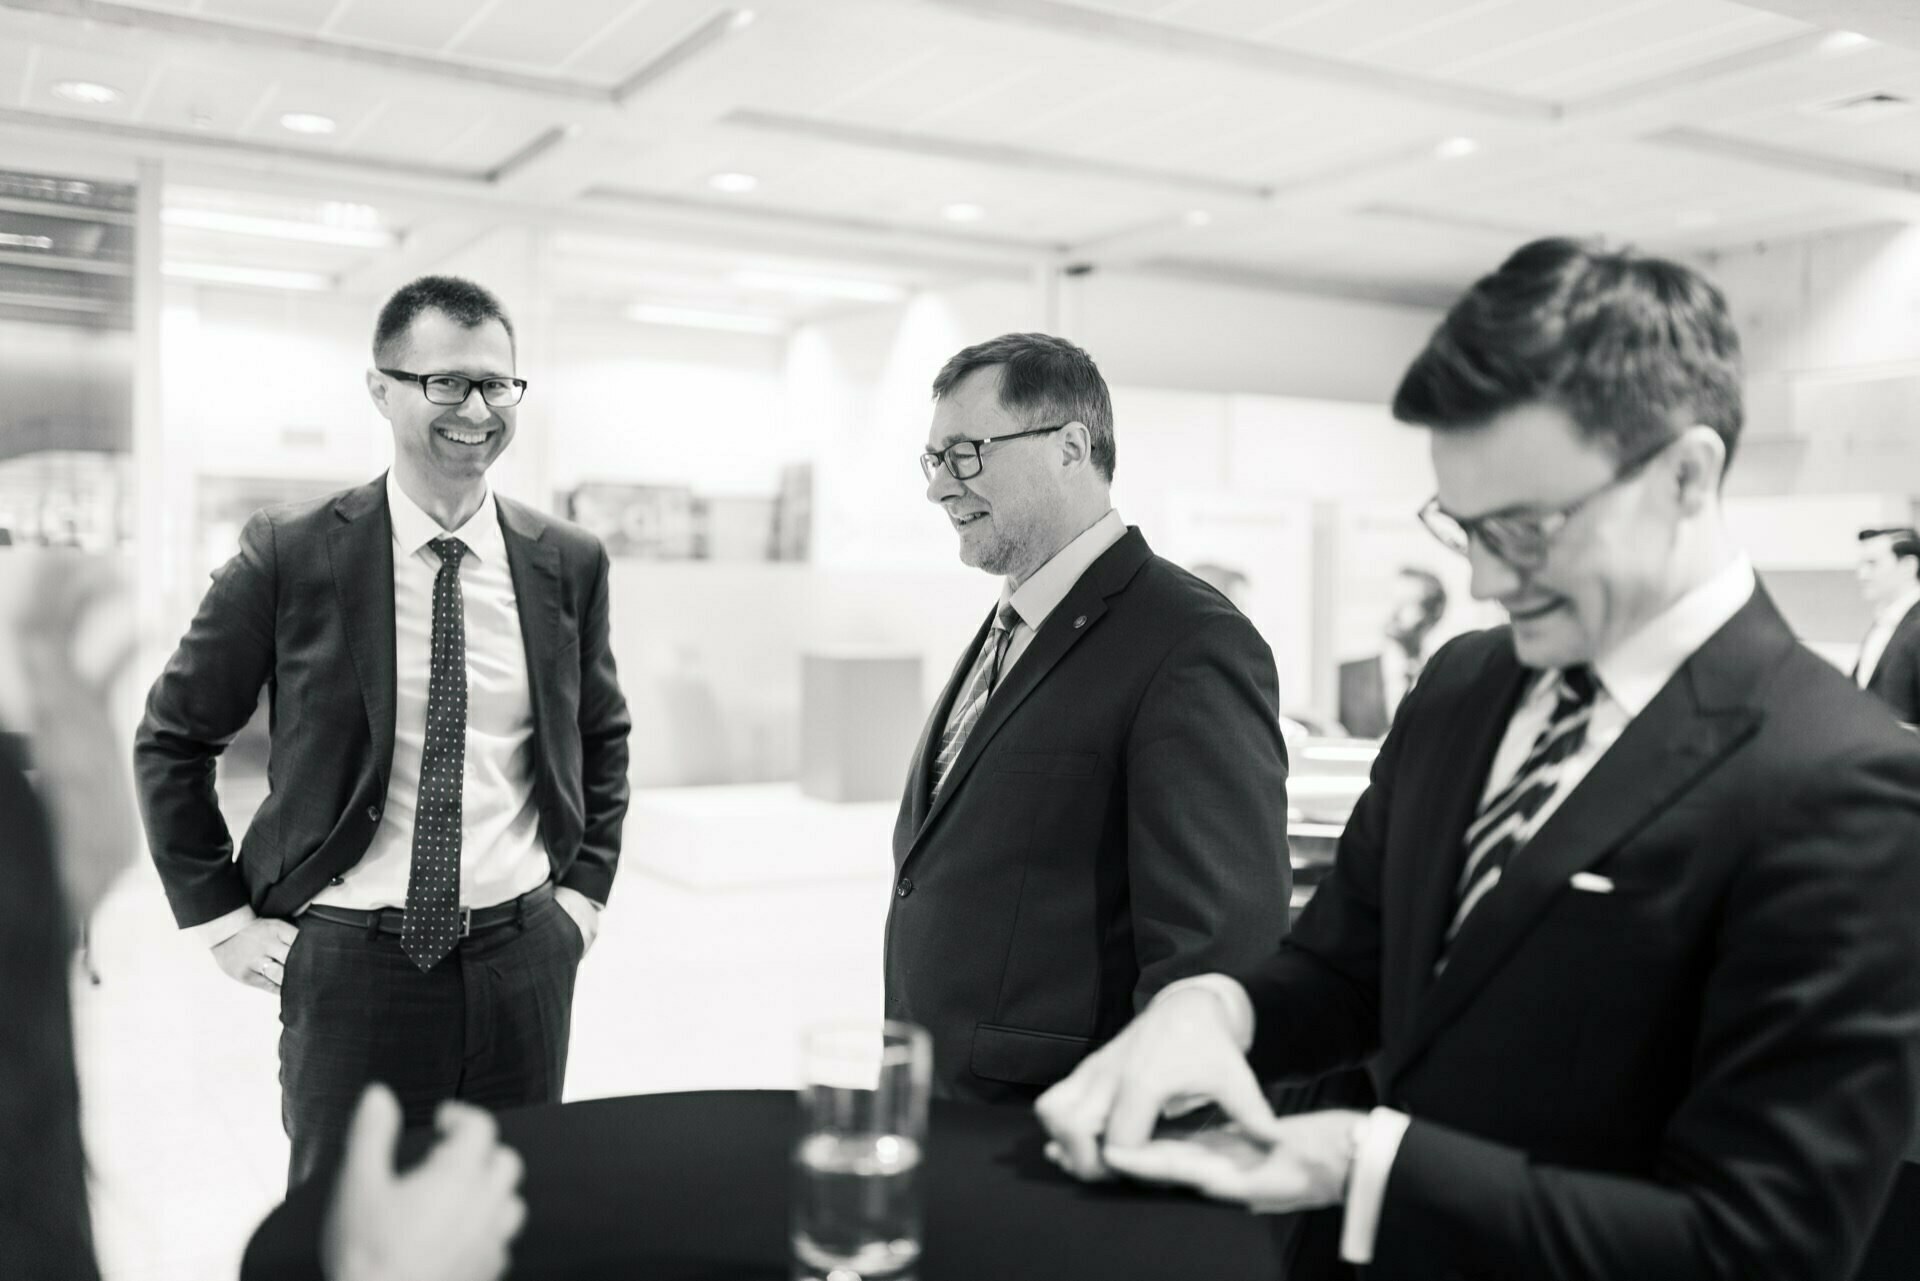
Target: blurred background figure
pixel 66 812
pixel 1889 662
pixel 1372 688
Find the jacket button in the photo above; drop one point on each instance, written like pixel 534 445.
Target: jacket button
pixel 337 880
pixel 373 813
pixel 905 887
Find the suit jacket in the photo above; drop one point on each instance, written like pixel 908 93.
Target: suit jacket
pixel 1363 698
pixel 1896 677
pixel 306 609
pixel 1116 820
pixel 1710 1072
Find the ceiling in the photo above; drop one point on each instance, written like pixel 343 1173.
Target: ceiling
pixel 1367 148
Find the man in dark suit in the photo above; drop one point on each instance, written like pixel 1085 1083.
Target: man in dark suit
pixel 1889 662
pixel 1098 803
pixel 1372 688
pixel 1624 923
pixel 447 778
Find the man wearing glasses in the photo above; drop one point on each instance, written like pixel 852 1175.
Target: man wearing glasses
pixel 448 771
pixel 1623 926
pixel 1098 803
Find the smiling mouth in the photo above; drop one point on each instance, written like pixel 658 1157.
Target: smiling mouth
pixel 972 518
pixel 459 437
pixel 1538 611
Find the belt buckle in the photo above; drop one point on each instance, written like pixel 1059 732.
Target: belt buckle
pixel 466 921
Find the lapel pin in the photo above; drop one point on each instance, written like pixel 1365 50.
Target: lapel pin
pixel 1080 622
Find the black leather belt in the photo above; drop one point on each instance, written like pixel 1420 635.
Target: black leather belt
pixel 473 920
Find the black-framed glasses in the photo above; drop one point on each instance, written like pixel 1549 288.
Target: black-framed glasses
pixel 453 389
pixel 1523 537
pixel 962 457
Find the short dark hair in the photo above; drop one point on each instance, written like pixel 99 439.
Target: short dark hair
pixel 1433 592
pixel 1633 348
pixel 456 297
pixel 1043 380
pixel 1902 540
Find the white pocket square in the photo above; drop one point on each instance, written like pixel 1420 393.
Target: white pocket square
pixel 1591 882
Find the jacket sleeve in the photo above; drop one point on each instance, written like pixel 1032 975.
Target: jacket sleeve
pixel 1206 805
pixel 603 723
pixel 1775 1162
pixel 205 696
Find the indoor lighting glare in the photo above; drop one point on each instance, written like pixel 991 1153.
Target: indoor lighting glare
pixel 87 92
pixel 819 286
pixel 307 122
pixel 209 273
pixel 742 18
pixel 1456 148
pixel 1197 218
pixel 692 318
pixel 961 211
pixel 736 184
pixel 1844 42
pixel 313 233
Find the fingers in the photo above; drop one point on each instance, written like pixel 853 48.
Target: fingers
pixel 1075 1112
pixel 285 932
pixel 1183 1163
pixel 272 970
pixel 254 978
pixel 467 1137
pixel 1240 1097
pixel 371 1137
pixel 1136 1106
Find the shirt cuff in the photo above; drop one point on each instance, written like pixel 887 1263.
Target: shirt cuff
pixel 221 928
pixel 584 911
pixel 1238 1004
pixel 1375 1146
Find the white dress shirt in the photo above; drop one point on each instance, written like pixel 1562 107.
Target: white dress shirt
pixel 502 855
pixel 1628 677
pixel 1874 647
pixel 1043 591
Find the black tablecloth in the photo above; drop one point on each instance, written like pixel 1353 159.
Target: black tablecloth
pixel 672 1187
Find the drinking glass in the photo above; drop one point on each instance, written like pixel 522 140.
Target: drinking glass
pixel 857 1194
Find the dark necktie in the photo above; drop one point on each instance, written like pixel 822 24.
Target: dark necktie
pixel 973 700
pixel 431 925
pixel 1506 821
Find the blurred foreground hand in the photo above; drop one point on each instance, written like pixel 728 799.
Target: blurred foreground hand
pixel 450 1218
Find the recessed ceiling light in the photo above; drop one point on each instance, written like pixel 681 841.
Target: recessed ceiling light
pixel 819 286
pixel 695 318
pixel 307 122
pixel 734 184
pixel 962 211
pixel 1456 148
pixel 1844 42
pixel 87 92
pixel 1197 218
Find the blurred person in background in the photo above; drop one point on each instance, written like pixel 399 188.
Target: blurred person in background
pixel 1889 662
pixel 1624 923
pixel 448 764
pixel 1097 805
pixel 1371 688
pixel 66 833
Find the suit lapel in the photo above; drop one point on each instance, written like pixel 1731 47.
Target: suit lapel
pixel 534 566
pixel 1696 720
pixel 1072 619
pixel 920 778
pixel 360 556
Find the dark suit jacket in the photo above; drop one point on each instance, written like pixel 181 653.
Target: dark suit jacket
pixel 1710 1072
pixel 1896 677
pixel 306 609
pixel 1116 820
pixel 1363 698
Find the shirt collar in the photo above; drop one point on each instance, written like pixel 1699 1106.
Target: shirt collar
pixel 1637 668
pixel 1896 609
pixel 414 529
pixel 1050 584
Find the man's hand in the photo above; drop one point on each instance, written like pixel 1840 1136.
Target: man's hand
pixel 1303 1165
pixel 257 955
pixel 449 1219
pixel 1179 1047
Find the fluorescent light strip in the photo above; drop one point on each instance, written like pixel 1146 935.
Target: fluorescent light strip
pixel 316 233
pixel 208 273
pixel 819 286
pixel 692 318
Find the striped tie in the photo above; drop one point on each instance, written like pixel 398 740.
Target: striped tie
pixel 980 684
pixel 1507 819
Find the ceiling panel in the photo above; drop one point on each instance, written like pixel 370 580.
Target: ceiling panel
pixel 539 33
pixel 415 25
pixel 53 63
pixel 294 15
pixel 651 28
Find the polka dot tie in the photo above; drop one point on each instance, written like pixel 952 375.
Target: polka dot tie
pixel 432 922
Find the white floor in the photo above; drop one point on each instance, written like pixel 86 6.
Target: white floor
pixel 727 933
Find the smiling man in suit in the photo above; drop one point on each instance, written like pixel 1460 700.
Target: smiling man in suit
pixel 1623 924
pixel 448 770
pixel 1098 803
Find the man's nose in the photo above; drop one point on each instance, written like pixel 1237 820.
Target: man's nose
pixel 475 407
pixel 1493 578
pixel 941 485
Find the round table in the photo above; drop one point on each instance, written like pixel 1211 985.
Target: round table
pixel 673 1187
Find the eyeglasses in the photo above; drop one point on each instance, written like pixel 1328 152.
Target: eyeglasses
pixel 962 457
pixel 1521 538
pixel 453 389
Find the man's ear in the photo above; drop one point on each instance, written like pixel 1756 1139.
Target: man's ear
pixel 379 387
pixel 1702 462
pixel 1076 445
